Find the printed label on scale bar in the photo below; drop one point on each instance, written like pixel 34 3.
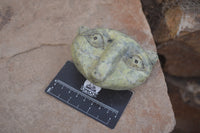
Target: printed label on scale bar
pixel 90 89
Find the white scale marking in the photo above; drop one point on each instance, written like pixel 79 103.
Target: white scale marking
pixel 88 109
pixel 97 118
pixel 84 95
pixel 84 99
pixel 69 99
pixel 62 87
pixel 50 88
pixel 108 121
pixel 88 97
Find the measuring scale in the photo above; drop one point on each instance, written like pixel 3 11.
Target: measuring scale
pixel 105 106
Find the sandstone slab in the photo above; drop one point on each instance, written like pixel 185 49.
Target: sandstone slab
pixel 35 40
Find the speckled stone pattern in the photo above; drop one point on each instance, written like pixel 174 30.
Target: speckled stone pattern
pixel 111 59
pixel 35 43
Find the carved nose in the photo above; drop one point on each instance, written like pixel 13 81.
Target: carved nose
pixel 108 61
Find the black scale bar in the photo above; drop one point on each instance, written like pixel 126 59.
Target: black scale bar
pixel 99 108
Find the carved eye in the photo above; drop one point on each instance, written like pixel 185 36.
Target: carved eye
pixel 134 61
pixel 96 40
pixel 110 41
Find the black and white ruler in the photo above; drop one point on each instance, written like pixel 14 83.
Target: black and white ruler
pixel 105 106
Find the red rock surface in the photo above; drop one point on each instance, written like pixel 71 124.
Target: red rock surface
pixel 35 39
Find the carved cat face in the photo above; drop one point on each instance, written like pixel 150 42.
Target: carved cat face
pixel 111 59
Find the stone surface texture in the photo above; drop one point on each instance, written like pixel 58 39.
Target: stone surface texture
pixel 111 59
pixel 35 39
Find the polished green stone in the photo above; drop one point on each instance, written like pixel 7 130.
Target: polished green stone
pixel 111 59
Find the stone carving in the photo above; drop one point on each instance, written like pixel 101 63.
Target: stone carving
pixel 111 59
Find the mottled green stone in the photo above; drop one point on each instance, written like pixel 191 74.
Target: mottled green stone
pixel 111 59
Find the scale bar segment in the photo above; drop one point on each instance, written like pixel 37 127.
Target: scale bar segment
pixel 88 97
